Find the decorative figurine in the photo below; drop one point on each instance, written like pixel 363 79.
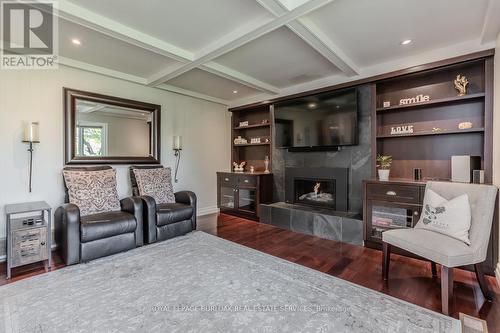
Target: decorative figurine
pixel 239 167
pixel 252 169
pixel 461 83
pixel 465 125
pixel 266 163
pixel 239 140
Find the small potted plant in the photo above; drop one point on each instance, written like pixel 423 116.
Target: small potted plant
pixel 384 166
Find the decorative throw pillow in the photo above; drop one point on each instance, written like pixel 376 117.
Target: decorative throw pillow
pixel 448 217
pixel 156 183
pixel 92 191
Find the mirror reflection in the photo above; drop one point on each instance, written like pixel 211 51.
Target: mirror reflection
pixel 110 130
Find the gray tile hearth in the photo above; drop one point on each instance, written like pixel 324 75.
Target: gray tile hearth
pixel 324 223
pixel 328 226
pixel 302 222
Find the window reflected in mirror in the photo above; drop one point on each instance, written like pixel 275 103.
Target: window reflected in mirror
pixel 109 130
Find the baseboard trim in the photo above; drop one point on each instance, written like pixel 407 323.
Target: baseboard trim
pixel 207 210
pixel 497 274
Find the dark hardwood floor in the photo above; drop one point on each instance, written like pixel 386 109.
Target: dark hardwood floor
pixel 410 279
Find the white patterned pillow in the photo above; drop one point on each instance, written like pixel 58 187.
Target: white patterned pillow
pixel 92 191
pixel 156 183
pixel 448 217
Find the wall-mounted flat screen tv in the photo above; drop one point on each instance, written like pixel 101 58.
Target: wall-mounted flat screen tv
pixel 317 122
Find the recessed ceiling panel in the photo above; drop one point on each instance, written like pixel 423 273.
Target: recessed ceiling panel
pixel 212 85
pixel 188 24
pixel 101 50
pixel 370 32
pixel 279 58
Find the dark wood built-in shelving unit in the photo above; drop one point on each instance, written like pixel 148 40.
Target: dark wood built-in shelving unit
pixel 436 134
pixel 252 153
pixel 436 137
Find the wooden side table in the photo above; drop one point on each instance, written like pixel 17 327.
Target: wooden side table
pixel 29 234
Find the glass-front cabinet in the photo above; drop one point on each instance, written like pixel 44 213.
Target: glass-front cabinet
pixel 390 205
pixel 247 200
pixel 386 216
pixel 241 193
pixel 227 197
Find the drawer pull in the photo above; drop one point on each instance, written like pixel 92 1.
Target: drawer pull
pixel 246 180
pixel 391 193
pixel 226 179
pixel 415 213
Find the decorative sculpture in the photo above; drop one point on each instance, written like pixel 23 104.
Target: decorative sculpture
pixel 465 125
pixel 461 83
pixel 239 167
pixel 266 164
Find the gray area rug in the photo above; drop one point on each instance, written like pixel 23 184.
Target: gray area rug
pixel 201 283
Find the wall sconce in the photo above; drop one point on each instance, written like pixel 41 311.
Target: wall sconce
pixel 31 136
pixel 177 147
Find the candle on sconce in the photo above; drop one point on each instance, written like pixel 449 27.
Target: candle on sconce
pixel 31 136
pixel 177 142
pixel 31 132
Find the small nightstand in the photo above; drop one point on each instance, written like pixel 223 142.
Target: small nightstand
pixel 29 235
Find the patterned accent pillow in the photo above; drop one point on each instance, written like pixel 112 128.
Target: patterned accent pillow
pixel 92 191
pixel 157 183
pixel 448 217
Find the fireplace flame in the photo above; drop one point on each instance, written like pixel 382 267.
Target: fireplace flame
pixel 316 188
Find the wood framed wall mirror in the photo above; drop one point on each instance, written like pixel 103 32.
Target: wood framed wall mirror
pixel 102 129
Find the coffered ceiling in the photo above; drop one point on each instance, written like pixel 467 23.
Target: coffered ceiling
pixel 240 51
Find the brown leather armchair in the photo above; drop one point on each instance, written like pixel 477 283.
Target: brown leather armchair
pixel 84 238
pixel 168 220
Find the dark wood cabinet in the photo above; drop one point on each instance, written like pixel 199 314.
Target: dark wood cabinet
pixel 241 194
pixel 390 205
pixel 397 204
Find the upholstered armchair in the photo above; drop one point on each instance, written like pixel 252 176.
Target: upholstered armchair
pixel 442 249
pixel 163 220
pixel 93 223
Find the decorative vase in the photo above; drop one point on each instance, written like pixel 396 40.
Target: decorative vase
pixel 383 174
pixel 266 164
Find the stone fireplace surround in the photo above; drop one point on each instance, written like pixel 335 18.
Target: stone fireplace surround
pixel 344 226
pixel 334 222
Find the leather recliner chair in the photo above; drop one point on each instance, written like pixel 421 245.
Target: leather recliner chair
pixel 168 220
pixel 84 238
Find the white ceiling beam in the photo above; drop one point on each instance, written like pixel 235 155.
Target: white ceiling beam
pixel 491 25
pixel 239 77
pixel 190 93
pixel 237 39
pixel 91 20
pixel 136 79
pixel 68 62
pixel 312 35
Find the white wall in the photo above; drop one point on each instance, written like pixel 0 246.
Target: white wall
pixel 30 95
pixel 496 126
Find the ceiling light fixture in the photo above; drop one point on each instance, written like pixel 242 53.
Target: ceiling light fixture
pixel 235 91
pixel 406 42
pixel 76 41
